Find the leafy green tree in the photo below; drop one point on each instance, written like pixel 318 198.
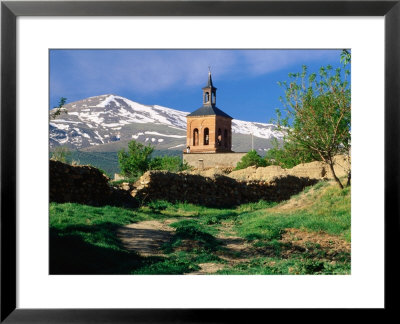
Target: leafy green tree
pixel 168 163
pixel 345 57
pixel 288 155
pixel 61 154
pixel 136 161
pixel 60 108
pixel 318 114
pixel 250 159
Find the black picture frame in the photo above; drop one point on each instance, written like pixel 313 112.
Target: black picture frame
pixel 10 10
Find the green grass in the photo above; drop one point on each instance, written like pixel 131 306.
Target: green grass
pixel 262 204
pixel 95 225
pixel 83 240
pixel 197 233
pixel 178 263
pixel 330 213
pixel 297 265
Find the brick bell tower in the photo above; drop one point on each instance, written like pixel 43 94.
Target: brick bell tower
pixel 209 129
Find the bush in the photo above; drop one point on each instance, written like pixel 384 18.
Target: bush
pixel 136 161
pixel 289 155
pixel 168 163
pixel 251 158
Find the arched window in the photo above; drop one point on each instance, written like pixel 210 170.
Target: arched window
pixel 219 138
pixel 195 137
pixel 206 136
pixel 206 97
pixel 226 138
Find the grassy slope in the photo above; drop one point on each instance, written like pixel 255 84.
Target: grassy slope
pixel 83 239
pixel 322 208
pixel 326 208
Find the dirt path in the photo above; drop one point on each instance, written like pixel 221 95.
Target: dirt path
pixel 237 249
pixel 146 238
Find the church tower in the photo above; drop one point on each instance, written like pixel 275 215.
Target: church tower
pixel 209 129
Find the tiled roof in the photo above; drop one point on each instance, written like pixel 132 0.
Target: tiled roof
pixel 209 110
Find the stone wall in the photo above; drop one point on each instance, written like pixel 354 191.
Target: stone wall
pixel 212 160
pixel 118 177
pixel 312 170
pixel 213 187
pixel 84 185
pixel 217 191
pixel 81 184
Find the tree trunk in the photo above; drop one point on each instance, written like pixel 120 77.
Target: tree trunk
pixel 348 179
pixel 330 162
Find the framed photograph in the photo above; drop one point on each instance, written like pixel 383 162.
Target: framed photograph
pixel 170 188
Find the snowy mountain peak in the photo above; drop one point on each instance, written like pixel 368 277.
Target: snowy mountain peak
pixel 110 118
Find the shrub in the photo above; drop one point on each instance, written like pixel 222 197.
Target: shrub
pixel 288 156
pixel 136 161
pixel 168 163
pixel 251 158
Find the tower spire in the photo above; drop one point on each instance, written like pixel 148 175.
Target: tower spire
pixel 209 91
pixel 209 83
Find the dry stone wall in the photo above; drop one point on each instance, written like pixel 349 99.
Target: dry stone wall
pixel 81 184
pixel 217 191
pixel 221 188
pixel 84 185
pixel 213 187
pixel 313 170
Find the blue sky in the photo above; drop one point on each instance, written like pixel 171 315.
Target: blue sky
pixel 246 79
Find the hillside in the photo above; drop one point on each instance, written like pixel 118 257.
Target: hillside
pixel 107 123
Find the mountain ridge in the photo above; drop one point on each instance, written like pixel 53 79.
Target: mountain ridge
pixel 112 121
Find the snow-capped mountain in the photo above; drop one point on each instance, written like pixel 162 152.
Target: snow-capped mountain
pixel 108 122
